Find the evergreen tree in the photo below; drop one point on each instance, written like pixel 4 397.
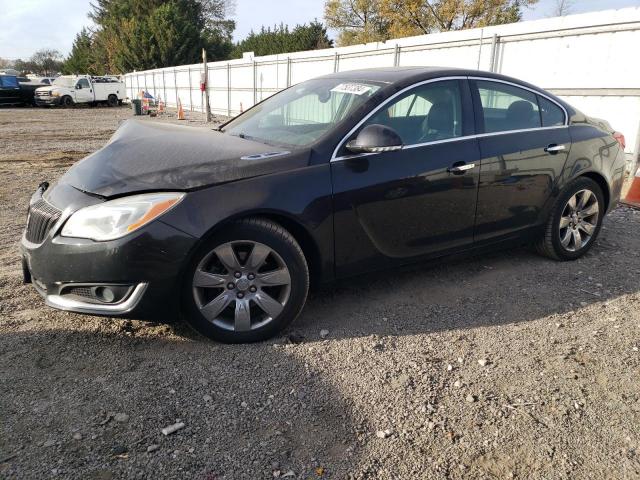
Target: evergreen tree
pixel 81 59
pixel 146 34
pixel 281 40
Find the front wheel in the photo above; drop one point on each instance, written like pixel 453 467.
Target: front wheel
pixel 574 222
pixel 66 101
pixel 247 283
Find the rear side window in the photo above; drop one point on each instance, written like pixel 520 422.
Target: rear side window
pixel 505 107
pixel 552 114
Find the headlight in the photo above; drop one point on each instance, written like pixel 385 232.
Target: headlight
pixel 117 218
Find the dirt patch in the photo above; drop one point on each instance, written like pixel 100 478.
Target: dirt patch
pixel 502 366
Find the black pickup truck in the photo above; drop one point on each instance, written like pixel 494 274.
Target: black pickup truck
pixel 17 90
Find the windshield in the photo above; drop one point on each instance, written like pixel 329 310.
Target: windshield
pixel 67 82
pixel 301 114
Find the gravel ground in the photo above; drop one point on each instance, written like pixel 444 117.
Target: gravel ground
pixel 501 366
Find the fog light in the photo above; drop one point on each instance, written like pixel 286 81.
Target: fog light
pixel 105 294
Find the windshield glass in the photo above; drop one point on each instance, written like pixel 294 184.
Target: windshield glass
pixel 67 82
pixel 301 114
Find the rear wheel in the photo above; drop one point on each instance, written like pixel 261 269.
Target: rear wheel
pixel 574 222
pixel 112 101
pixel 247 283
pixel 66 101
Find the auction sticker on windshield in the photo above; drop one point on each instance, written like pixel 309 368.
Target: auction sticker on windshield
pixel 353 88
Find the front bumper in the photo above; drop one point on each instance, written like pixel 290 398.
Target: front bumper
pixel 140 272
pixel 46 101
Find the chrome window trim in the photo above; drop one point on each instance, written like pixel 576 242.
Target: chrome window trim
pixel 379 107
pixel 452 139
pixel 497 80
pixel 335 158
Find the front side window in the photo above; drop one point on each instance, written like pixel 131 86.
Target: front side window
pixel 427 113
pixel 83 82
pixel 505 107
pixel 302 114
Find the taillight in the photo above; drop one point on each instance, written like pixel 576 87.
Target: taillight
pixel 620 138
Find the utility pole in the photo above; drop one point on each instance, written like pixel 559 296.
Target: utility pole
pixel 206 85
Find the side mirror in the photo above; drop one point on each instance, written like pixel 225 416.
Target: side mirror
pixel 375 138
pixel 78 86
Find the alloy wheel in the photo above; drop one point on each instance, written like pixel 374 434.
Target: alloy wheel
pixel 241 285
pixel 579 220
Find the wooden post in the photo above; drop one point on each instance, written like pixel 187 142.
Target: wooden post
pixel 206 85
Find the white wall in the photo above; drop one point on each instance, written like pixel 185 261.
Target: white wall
pixel 590 59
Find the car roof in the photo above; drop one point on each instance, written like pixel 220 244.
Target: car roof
pixel 415 74
pixel 401 77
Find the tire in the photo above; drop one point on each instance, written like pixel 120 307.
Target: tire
pixel 557 230
pixel 66 101
pixel 235 304
pixel 112 101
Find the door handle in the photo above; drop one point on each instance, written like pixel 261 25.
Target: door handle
pixel 460 168
pixel 553 148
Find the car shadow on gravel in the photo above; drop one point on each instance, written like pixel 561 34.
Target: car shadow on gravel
pixel 90 404
pixel 462 292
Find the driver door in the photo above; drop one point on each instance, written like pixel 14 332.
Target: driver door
pixel 84 91
pixel 393 207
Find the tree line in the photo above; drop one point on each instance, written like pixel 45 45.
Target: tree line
pixel 361 21
pixel 144 34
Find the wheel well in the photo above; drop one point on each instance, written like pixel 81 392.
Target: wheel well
pixel 602 183
pixel 307 244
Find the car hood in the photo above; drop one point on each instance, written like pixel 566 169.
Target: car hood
pixel 149 156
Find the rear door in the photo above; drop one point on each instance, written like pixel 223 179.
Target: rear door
pixel 391 207
pixel 524 143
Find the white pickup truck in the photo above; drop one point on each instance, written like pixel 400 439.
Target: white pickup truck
pixel 68 90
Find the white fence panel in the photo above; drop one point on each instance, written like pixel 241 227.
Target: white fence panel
pixel 589 59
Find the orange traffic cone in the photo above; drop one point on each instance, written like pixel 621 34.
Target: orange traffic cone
pixel 180 111
pixel 633 195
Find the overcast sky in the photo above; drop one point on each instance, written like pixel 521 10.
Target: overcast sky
pixel 27 25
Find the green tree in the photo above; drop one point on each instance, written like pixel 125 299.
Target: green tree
pixel 359 21
pixel 144 34
pixel 282 40
pixel 81 60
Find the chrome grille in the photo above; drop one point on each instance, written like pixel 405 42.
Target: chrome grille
pixel 42 217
